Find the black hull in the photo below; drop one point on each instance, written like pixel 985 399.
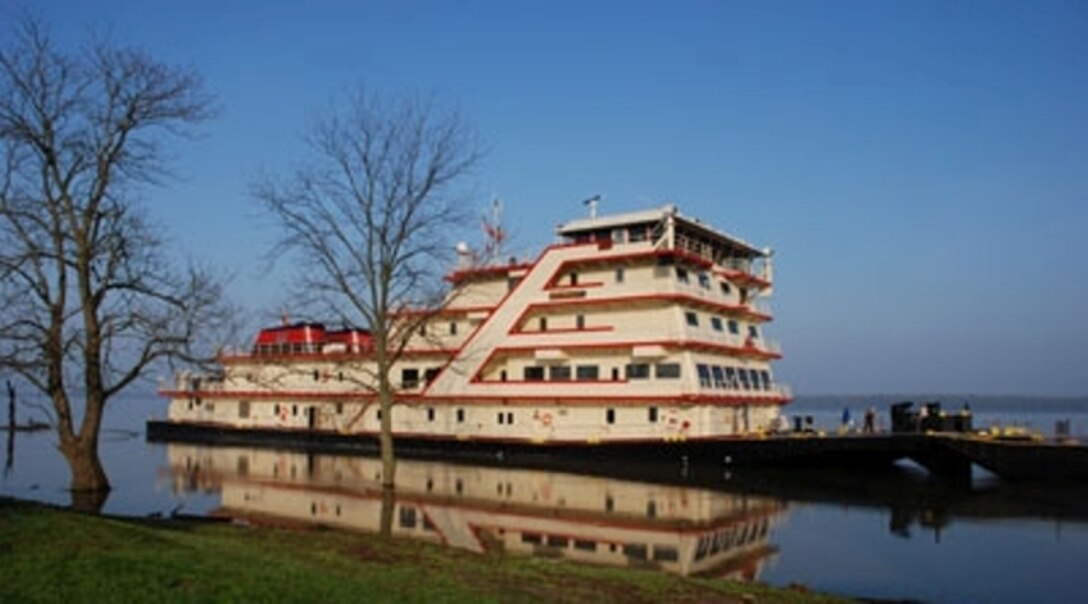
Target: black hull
pixel 945 456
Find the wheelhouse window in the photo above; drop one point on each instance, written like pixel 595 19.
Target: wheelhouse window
pixel 691 318
pixel 731 377
pixel 743 373
pixel 726 290
pixel 682 274
pixel 638 371
pixel 766 375
pixel 704 375
pixel 409 378
pixel 580 322
pixel 719 376
pixel 533 374
pixel 756 382
pixel 734 327
pixel 543 323
pixel 667 371
pixel 753 332
pixel 704 280
pixel 716 323
pixel 610 416
pixel 587 372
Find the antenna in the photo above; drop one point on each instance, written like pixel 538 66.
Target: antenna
pixel 592 203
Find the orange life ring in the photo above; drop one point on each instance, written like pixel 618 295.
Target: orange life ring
pixel 546 419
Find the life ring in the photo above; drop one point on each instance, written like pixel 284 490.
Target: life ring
pixel 546 420
pixel 283 413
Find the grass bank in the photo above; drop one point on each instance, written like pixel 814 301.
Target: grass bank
pixel 53 555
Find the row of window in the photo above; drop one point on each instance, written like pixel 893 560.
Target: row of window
pixel 563 373
pixel 716 323
pixel 733 378
pixel 634 551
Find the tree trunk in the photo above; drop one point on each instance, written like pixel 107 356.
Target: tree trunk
pixel 389 500
pixel 89 486
pixel 389 462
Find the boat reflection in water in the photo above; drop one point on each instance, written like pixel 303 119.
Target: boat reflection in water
pixel 677 529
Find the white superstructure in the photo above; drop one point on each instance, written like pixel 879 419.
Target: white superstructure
pixel 644 326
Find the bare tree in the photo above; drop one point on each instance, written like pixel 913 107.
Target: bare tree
pixel 370 218
pixel 88 299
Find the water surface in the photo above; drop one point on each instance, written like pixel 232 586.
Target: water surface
pixel 889 534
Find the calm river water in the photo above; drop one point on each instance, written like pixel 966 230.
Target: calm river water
pixel 895 534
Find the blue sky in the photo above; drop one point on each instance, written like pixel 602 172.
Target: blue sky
pixel 921 168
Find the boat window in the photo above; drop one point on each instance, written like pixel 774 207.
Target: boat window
pixel 638 371
pixel 534 374
pixel 726 290
pixel 667 370
pixel 681 274
pixel 453 328
pixel 502 418
pixel 430 374
pixel 584 545
pixel 317 375
pixel 409 378
pixel 586 372
pixel 653 415
pixel 510 418
pixel 666 553
pixel 559 373
pixel 734 327
pixel 543 323
pixel 430 414
pixel 619 275
pixel 731 377
pixel 243 409
pixel 691 318
pixel 755 378
pixel 766 375
pixel 753 332
pixel 407 517
pixel 574 278
pixel 580 322
pixel 716 323
pixel 615 374
pixel 704 375
pixel 460 415
pixel 743 378
pixel 635 551
pixel 339 408
pixel 294 409
pixel 610 416
pixel 533 538
pixel 704 280
pixel 719 377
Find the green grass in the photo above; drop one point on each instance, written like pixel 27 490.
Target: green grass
pixel 53 555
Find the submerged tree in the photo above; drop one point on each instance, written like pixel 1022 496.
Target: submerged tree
pixel 370 218
pixel 88 300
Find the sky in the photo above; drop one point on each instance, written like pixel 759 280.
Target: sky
pixel 919 167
